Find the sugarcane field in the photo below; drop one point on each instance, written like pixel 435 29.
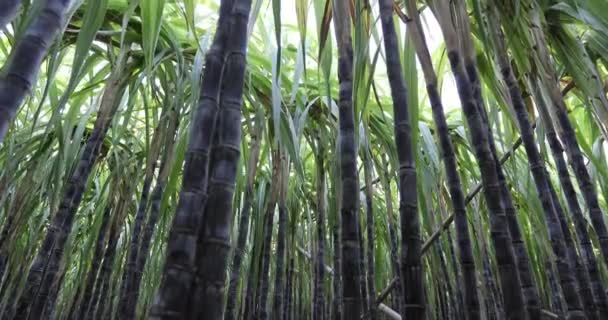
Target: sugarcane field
pixel 303 159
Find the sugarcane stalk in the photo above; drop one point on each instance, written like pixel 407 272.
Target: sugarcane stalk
pixel 179 270
pixel 8 11
pixel 44 276
pixel 21 71
pixel 347 150
pixel 213 245
pixel 252 166
pixel 411 267
pixel 508 273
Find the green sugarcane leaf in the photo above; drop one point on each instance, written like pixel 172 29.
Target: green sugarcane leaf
pixel 151 13
pixel 94 15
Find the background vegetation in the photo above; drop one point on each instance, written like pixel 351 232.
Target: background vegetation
pixel 134 69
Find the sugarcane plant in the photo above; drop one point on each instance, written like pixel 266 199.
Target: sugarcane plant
pixel 9 10
pixel 181 251
pixel 411 267
pixel 44 275
pixel 543 186
pixel 447 148
pixel 289 160
pixel 239 248
pixel 20 73
pixel 509 275
pixel 349 184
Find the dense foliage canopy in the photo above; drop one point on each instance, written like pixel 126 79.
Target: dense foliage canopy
pixel 297 159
